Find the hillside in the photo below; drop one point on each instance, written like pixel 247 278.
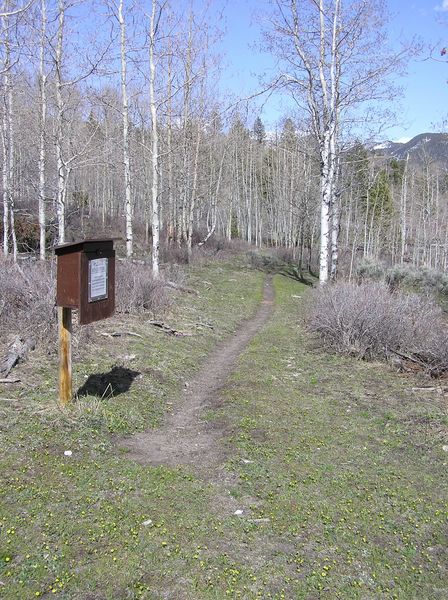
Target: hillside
pixel 423 148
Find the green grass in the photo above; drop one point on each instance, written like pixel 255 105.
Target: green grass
pixel 337 465
pixel 351 481
pixel 74 524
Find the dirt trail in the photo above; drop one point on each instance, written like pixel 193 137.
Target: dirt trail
pixel 185 438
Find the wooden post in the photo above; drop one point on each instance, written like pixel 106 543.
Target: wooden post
pixel 65 354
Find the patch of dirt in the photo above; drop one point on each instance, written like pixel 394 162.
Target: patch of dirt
pixel 185 438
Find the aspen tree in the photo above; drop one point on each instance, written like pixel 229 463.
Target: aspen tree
pixel 335 60
pixel 155 218
pixel 5 142
pixel 42 129
pixel 8 135
pixel 126 151
pixel 61 166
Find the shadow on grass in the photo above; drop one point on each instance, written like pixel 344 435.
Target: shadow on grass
pixel 105 385
pixel 296 274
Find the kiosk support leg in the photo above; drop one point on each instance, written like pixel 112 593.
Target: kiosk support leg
pixel 65 354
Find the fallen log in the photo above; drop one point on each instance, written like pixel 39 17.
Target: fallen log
pixel 120 333
pixel 423 362
pixel 169 330
pixel 17 351
pixel 10 380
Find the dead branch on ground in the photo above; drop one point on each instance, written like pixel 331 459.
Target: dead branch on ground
pixel 169 330
pixel 17 352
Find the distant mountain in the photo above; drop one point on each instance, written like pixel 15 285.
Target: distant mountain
pixel 432 147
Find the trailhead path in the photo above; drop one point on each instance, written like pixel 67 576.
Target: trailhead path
pixel 185 438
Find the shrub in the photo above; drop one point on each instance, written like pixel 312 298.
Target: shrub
pixel 369 269
pixel 27 233
pixel 397 276
pixel 174 273
pixel 369 321
pixel 172 253
pixel 137 290
pixel 425 280
pixel 27 300
pixel 430 281
pixel 265 261
pixel 28 294
pixel 284 255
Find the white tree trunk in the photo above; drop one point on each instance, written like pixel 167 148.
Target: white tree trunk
pixel 5 144
pixel 61 170
pixel 154 146
pixel 8 141
pixel 334 242
pixel 324 221
pixel 11 166
pixel 42 138
pixel 193 195
pixel 5 184
pixel 403 211
pixel 126 152
pixel 172 212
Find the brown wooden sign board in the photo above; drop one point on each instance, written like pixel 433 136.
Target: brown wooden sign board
pixel 86 278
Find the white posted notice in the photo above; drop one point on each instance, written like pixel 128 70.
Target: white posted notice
pixel 98 279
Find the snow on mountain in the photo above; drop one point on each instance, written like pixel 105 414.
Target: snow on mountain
pixel 432 147
pixel 382 146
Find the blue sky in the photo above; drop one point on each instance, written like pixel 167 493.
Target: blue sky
pixel 425 87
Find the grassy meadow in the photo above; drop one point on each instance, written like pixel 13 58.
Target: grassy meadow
pixel 335 467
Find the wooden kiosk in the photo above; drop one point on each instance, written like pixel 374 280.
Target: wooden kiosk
pixel 86 282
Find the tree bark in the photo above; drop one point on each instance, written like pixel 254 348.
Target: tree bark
pixel 61 169
pixel 42 136
pixel 126 150
pixel 154 145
